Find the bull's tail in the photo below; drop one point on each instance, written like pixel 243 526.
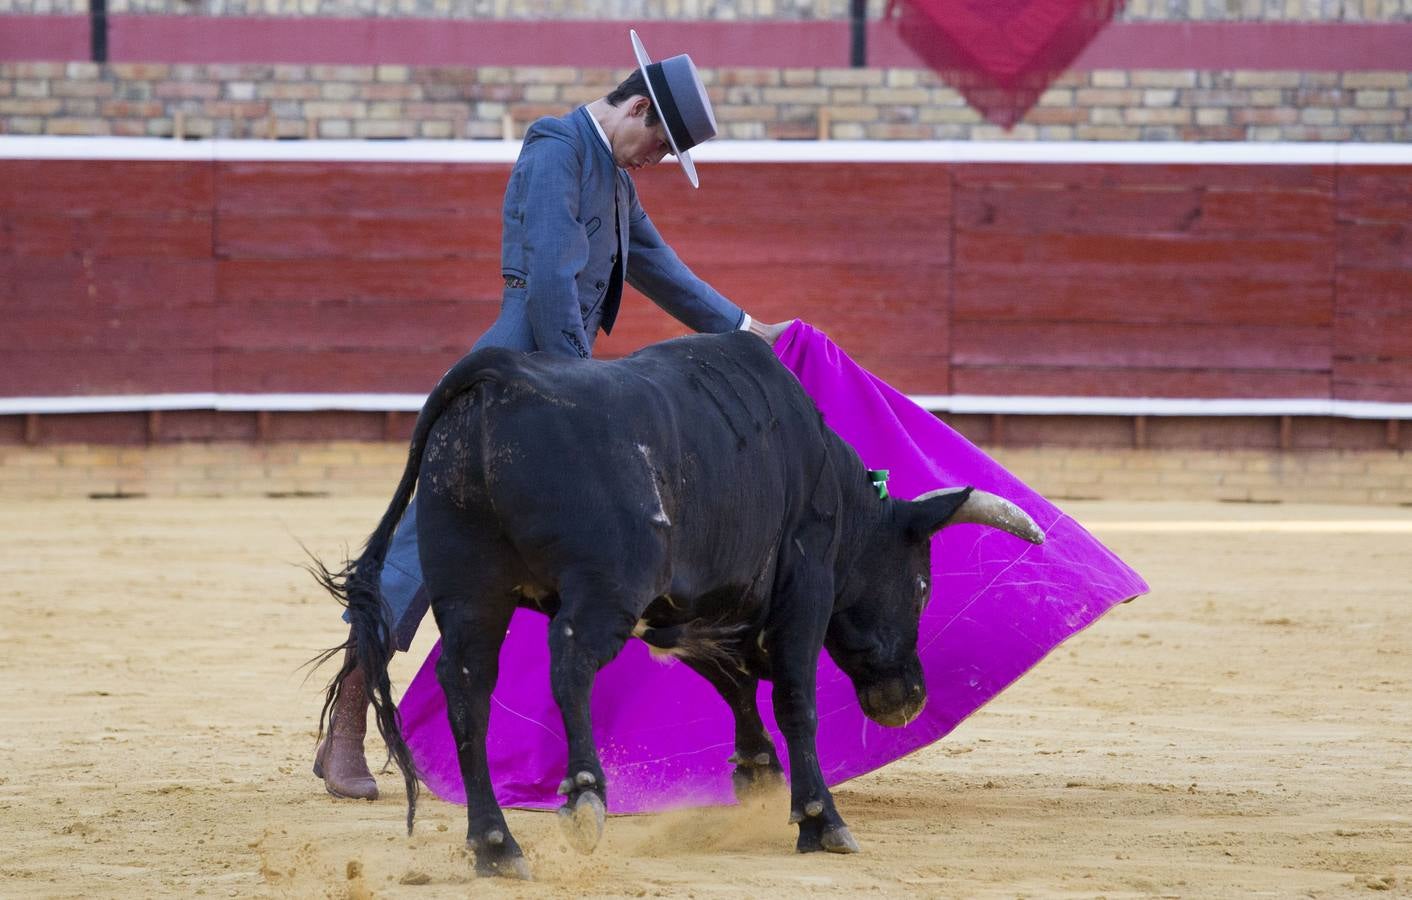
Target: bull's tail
pixel 357 586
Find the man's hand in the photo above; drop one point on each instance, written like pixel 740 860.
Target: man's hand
pixel 769 333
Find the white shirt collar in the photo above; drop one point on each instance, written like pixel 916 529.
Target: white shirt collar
pixel 602 135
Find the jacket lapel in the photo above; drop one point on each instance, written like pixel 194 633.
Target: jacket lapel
pixel 615 281
pixel 611 178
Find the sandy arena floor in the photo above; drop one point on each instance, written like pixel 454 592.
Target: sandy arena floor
pixel 1244 730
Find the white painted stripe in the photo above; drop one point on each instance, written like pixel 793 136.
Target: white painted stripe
pixel 1035 152
pixel 723 151
pixel 953 403
pixel 500 152
pixel 1162 406
pixel 1374 154
pixel 219 402
pixel 314 402
pixel 26 147
pixel 137 403
pixel 1280 526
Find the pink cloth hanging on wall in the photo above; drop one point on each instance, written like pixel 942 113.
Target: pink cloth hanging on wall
pixel 1001 54
pixel 999 605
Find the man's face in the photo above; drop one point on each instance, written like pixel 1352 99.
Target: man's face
pixel 637 144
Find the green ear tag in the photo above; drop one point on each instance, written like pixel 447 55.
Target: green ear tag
pixel 879 479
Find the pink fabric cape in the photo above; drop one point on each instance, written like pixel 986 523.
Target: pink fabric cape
pixel 998 606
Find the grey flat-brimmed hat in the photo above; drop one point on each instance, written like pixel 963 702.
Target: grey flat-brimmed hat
pixel 680 99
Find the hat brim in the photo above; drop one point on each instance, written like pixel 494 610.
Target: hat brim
pixel 643 60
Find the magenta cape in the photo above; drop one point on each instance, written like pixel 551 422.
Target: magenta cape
pixel 998 606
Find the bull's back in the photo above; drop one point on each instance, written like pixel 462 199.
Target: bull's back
pixel 696 444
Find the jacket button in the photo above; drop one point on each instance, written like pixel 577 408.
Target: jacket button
pixel 613 258
pixel 602 284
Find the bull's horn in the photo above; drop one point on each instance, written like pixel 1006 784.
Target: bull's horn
pixel 979 507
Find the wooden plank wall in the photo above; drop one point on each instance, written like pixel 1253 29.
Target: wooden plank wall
pixel 1159 281
pixel 353 278
pixel 106 277
pixel 1373 317
pixel 1279 281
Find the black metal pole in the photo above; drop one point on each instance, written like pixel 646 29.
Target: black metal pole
pixel 858 13
pixel 98 30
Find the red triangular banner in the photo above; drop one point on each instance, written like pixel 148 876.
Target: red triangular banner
pixel 1000 54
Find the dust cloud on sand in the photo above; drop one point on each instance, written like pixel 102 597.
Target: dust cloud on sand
pixel 1244 730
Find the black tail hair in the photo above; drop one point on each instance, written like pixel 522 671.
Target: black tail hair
pixel 357 586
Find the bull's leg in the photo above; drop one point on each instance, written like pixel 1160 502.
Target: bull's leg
pixel 757 765
pixel 466 572
pixel 595 619
pixel 472 630
pixel 794 645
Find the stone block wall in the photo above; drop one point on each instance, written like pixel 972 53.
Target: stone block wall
pixel 371 469
pixel 313 101
pixel 479 102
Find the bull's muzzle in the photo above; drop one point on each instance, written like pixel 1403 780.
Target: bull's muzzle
pixel 894 702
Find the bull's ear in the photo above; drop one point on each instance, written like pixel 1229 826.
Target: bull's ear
pixel 951 506
pixel 924 516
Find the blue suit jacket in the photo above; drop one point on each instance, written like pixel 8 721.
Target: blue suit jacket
pixel 561 205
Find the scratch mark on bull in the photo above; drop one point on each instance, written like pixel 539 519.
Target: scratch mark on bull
pixel 521 388
pixel 487 474
pixel 698 382
pixel 457 480
pixel 752 377
pixel 721 377
pixel 660 516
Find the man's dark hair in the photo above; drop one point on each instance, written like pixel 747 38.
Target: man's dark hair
pixel 635 85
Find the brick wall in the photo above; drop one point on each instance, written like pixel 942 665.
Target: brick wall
pixel 372 470
pixel 296 101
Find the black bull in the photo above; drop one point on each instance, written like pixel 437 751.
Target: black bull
pixel 690 495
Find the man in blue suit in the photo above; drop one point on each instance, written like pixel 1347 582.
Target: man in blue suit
pixel 573 233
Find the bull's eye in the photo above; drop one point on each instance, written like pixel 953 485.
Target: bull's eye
pixel 921 585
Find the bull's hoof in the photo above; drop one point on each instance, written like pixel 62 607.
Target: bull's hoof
pixel 757 778
pixel 840 840
pixel 498 856
pixel 511 867
pixel 816 835
pixel 582 821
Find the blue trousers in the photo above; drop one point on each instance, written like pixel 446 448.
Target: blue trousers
pixel 405 600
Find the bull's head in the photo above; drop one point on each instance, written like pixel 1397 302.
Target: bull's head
pixel 872 635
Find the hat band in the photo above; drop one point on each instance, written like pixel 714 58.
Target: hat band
pixel 667 108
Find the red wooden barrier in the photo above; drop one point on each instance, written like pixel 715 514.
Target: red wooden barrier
pixel 1373 322
pixel 1188 281
pixel 1279 281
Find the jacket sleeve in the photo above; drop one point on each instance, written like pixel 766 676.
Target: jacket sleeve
pixel 548 182
pixel 655 269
